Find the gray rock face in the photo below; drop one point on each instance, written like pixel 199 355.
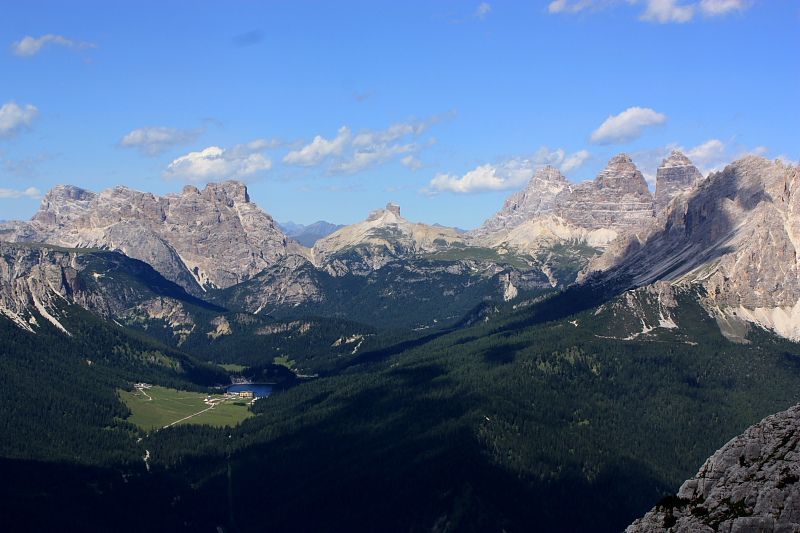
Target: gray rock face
pixel 385 236
pixel 43 278
pixel 538 199
pixel 751 485
pixel 737 233
pixel 213 237
pixel 675 175
pixel 617 199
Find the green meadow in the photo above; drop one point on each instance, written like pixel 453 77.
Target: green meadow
pixel 157 407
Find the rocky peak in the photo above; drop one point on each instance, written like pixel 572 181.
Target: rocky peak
pixel 215 237
pixel 618 199
pixel 538 199
pixel 383 237
pixel 379 214
pixel 735 233
pixel 622 175
pixel 227 192
pixel 63 203
pixel 675 175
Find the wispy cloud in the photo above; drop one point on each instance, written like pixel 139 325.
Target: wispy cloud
pixel 626 126
pixel 512 173
pixel 26 167
pixel 484 10
pixel 154 141
pixel 15 119
pixel 241 162
pixel 318 150
pixel 360 97
pixel 30 192
pixel 30 46
pixel 348 153
pixel 660 11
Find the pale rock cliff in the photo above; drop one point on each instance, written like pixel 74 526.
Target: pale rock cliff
pixel 749 486
pixel 618 200
pixel 736 234
pixel 676 174
pixel 383 237
pixel 537 199
pixel 109 284
pixel 213 237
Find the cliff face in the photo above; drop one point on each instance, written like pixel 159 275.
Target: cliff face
pixel 383 237
pixel 538 199
pixel 618 199
pixel 109 284
pixel 736 234
pixel 675 175
pixel 213 237
pixel 748 486
pixel 551 210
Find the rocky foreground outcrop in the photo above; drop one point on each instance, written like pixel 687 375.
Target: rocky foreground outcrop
pixel 214 237
pixel 751 485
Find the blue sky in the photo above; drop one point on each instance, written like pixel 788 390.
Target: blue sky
pixel 328 110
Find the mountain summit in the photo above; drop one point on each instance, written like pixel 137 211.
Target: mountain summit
pixel 214 237
pixel 736 234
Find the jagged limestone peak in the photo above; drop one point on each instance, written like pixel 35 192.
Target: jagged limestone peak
pixel 379 214
pixel 675 175
pixel 621 173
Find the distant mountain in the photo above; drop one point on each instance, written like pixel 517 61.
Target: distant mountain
pixel 308 235
pixel 551 210
pixel 468 367
pixel 386 235
pixel 736 234
pixel 199 239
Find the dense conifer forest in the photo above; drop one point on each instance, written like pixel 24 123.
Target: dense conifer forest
pixel 518 422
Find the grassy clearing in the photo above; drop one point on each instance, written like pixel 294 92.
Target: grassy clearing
pixel 232 368
pixel 156 407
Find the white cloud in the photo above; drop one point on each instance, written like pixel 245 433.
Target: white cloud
pixel 664 11
pixel 214 163
pixel 29 46
pixel 401 129
pixel 15 119
pixel 411 163
pixel 512 173
pixel 567 6
pixel 723 7
pixel 483 10
pixel 350 154
pixel 319 149
pixel 626 126
pixel 366 158
pixel 481 179
pixel 714 155
pixel 661 11
pixel 30 192
pixel 576 160
pixel 154 141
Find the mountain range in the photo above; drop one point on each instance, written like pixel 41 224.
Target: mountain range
pixel 587 336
